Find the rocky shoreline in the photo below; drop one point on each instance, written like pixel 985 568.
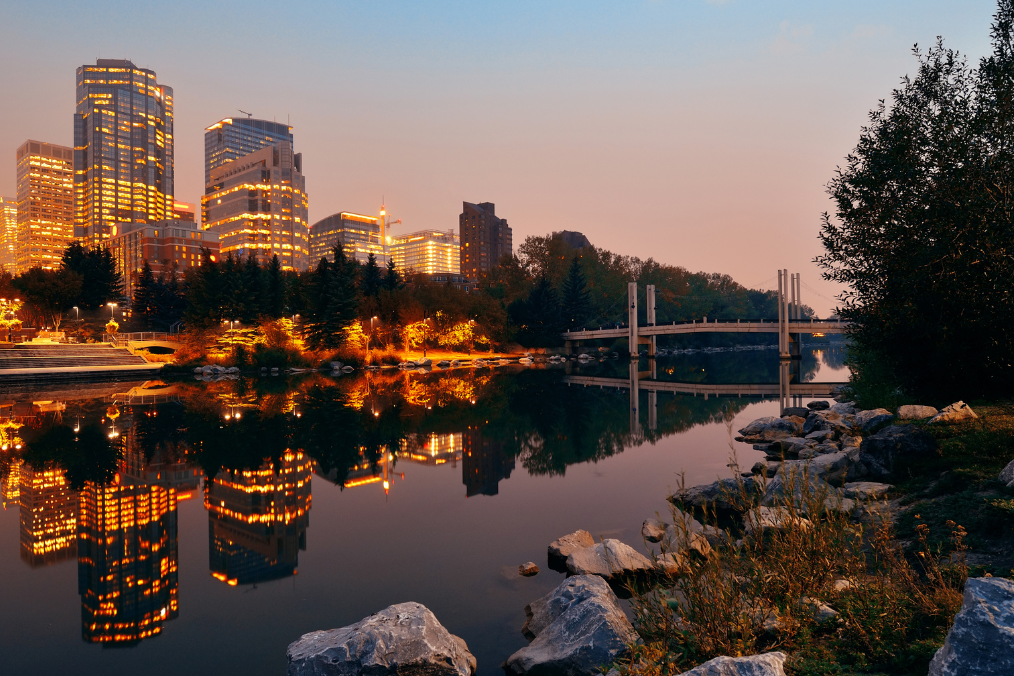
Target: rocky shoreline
pixel 821 460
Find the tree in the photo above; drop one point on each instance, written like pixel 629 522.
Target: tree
pixel 253 292
pixel 47 294
pixel 576 305
pixel 144 292
pixel 392 278
pixel 538 317
pixel 274 300
pixel 923 228
pixel 370 281
pixel 100 280
pixel 334 301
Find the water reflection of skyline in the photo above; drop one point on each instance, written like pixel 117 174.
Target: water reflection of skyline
pixel 118 515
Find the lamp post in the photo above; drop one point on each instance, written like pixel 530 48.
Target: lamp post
pixel 369 339
pixel 77 320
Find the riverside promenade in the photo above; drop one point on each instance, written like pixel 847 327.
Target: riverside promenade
pixel 42 360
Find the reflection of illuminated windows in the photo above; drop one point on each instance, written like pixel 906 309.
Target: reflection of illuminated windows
pixel 432 449
pixel 127 561
pixel 258 520
pixel 48 515
pixel 10 483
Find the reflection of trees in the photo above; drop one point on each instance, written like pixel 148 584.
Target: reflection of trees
pixel 87 455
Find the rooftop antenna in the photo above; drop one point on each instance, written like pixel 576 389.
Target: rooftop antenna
pixel 249 115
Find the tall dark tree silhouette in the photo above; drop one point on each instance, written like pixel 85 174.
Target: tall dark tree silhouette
pixel 274 291
pixel 100 280
pixel 923 230
pixel 369 277
pixel 392 278
pixel 538 316
pixel 335 301
pixel 576 306
pixel 144 292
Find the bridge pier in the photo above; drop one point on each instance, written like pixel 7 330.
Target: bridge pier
pixel 652 341
pixel 635 424
pixel 632 335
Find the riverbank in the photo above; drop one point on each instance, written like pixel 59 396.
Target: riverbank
pixel 852 559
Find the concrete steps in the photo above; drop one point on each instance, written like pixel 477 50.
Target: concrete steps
pixel 56 360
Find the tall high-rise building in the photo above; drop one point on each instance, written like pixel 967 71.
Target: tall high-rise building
pixel 484 463
pixel 233 138
pixel 356 234
pixel 485 239
pixel 123 148
pixel 45 204
pixel 257 205
pixel 426 251
pixel 8 232
pixel 128 560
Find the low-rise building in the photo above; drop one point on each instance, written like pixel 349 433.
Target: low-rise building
pixel 161 244
pixel 427 251
pixel 356 234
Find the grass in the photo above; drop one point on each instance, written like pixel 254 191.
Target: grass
pixel 904 576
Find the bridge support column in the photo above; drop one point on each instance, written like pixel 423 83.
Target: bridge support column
pixel 783 314
pixel 635 424
pixel 632 319
pixel 652 410
pixel 650 307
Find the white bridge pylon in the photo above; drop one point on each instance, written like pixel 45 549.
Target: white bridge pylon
pixel 789 326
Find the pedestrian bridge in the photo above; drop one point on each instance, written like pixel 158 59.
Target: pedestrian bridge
pixel 789 326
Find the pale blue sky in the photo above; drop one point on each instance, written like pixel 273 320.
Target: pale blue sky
pixel 699 133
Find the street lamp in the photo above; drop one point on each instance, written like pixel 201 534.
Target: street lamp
pixel 369 339
pixel 77 319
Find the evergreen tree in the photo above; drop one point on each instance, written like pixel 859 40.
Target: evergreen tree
pixel 204 289
pixel 392 278
pixel 370 277
pixel 577 306
pixel 538 316
pixel 101 282
pixel 253 296
pixel 144 300
pixel 334 301
pixel 274 302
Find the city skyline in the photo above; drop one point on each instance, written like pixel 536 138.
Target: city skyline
pixel 574 115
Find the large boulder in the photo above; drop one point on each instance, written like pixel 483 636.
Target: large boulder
pixel 404 640
pixel 895 448
pixel 768 664
pixel 771 429
pixel 1007 475
pixel 773 518
pixel 575 630
pixel 866 490
pixel 568 544
pixel 607 559
pixel 916 412
pixel 724 496
pixel 959 411
pixel 795 483
pixel 981 642
pixel 872 419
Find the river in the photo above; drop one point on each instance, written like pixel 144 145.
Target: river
pixel 190 527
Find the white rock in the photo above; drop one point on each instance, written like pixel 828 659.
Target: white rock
pixel 768 664
pixel 866 490
pixel 916 412
pixel 959 411
pixel 981 641
pixel 401 640
pixel 777 518
pixel 652 530
pixel 607 559
pixel 1007 475
pixel 568 544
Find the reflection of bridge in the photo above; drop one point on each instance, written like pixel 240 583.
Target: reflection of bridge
pixel 789 327
pixel 789 393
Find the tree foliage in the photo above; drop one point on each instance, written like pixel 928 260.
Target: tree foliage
pixel 100 281
pixel 923 234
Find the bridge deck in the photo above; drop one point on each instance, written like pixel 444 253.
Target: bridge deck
pixel 825 327
pixel 717 390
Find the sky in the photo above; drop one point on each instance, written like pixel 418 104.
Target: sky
pixel 700 133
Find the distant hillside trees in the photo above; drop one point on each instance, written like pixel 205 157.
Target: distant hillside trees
pixel 923 229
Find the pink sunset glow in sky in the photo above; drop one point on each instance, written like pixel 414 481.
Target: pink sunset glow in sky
pixel 700 133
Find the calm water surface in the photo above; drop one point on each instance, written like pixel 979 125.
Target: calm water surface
pixel 200 528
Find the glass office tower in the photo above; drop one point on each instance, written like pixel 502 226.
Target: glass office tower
pixel 123 148
pixel 231 139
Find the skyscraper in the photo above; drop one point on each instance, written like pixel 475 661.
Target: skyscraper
pixel 257 205
pixel 427 251
pixel 123 148
pixel 484 238
pixel 45 204
pixel 233 138
pixel 8 232
pixel 48 515
pixel 356 234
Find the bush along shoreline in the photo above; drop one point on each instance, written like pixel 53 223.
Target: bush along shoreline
pixel 846 552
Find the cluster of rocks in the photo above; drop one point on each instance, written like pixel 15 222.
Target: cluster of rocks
pixel 214 372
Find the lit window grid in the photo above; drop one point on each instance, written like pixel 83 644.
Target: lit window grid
pixel 45 206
